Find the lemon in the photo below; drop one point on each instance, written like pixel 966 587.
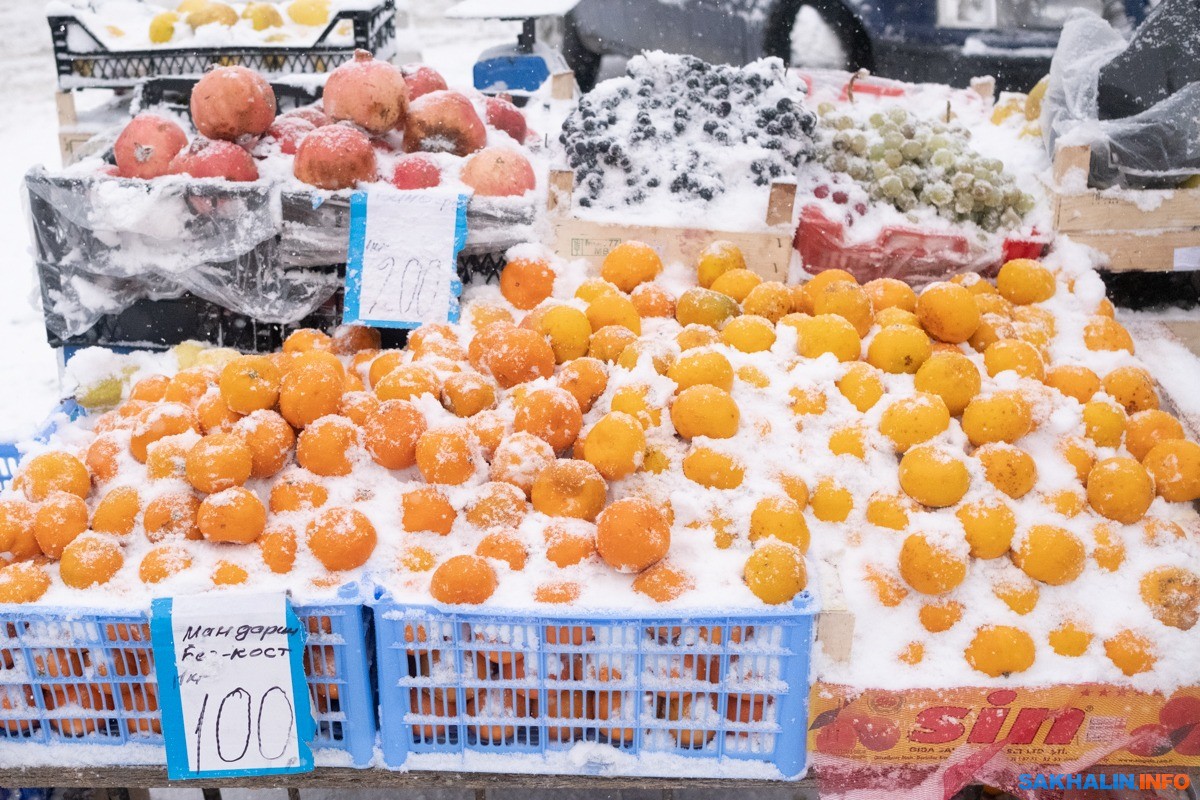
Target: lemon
pixel 309 12
pixel 262 16
pixel 162 27
pixel 1033 102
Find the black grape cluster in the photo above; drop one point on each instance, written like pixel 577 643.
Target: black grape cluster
pixel 901 159
pixel 671 123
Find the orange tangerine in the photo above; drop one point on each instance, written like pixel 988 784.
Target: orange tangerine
pixel 341 538
pixel 631 535
pixel 54 471
pixel 326 446
pixel 88 560
pixel 390 434
pixel 59 520
pixel 569 488
pixel 426 508
pixel 463 580
pixel 525 282
pixel 233 515
pixel 171 515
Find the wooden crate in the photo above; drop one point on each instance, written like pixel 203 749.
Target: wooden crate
pixel 76 140
pixel 768 253
pixel 1161 233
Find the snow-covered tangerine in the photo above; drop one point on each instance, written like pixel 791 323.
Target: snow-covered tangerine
pixel 1109 549
pixel 390 434
pixel 749 333
pixel 933 477
pixel 101 457
pixel 632 399
pixel 1018 593
pixel 516 355
pixel 250 383
pixel 716 259
pixel 770 300
pixel 1132 387
pixel 998 650
pixel 358 406
pixel 277 546
pixel 889 510
pixel 233 515
pixel 54 471
pixel 997 417
pixel 567 329
pixel 1050 554
pixel 1172 595
pixel 488 427
pixel 992 328
pixel 1104 422
pixel 887 317
pixel 899 349
pixel 1009 469
pixel 705 307
pixel 594 287
pixel 830 501
pixel 1145 429
pixel 383 363
pixel 446 455
pixel 1016 355
pixel 929 567
pixel 1106 334
pixel 213 415
pixel 825 333
pixel 502 545
pixel 940 615
pixel 712 468
pixel 117 511
pixel 226 573
pixel 947 312
pixel 171 515
pixel 518 459
pixel 89 560
pixel 188 385
pixel 315 358
pixel 699 367
pixel 781 518
pixel 408 382
pixel 426 508
pixel 629 264
pixel 1130 652
pixel 525 282
pixel 1120 489
pixel 912 420
pixel 653 300
pixel 586 379
pixel 890 293
pixel 463 580
pixel 659 355
pixel 1073 380
pixel 305 339
pixel 152 389
pixel 1070 639
pixel 567 545
pixel 497 504
pixel 632 534
pixel 218 461
pixel 569 488
pixel 16 526
pixel 989 526
pixel 466 393
pixel 270 439
pixel 23 582
pixel 350 339
pixel 59 519
pixel 341 538
pixel 326 446
pixel 608 343
pixel 1174 465
pixel 736 284
pixel 557 592
pixel 775 572
pixel 552 415
pixel 614 445
pixel 614 309
pixel 663 582
pixel 310 392
pixel 705 411
pixel 848 301
pixel 861 386
pixel 296 493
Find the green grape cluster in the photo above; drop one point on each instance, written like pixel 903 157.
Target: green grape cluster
pixel 908 161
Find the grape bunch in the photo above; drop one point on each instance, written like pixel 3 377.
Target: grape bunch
pixel 675 124
pixel 908 162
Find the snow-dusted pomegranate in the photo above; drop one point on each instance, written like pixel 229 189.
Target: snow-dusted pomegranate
pixel 422 79
pixel 498 172
pixel 335 157
pixel 503 115
pixel 313 114
pixel 444 122
pixel 146 146
pixel 416 171
pixel 231 102
pixel 367 92
pixel 288 131
pixel 214 158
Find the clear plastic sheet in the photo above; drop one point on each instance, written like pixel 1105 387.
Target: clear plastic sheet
pixel 103 243
pixel 1158 148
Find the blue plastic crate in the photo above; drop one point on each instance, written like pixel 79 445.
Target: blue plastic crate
pixel 702 695
pixel 10 453
pixel 71 676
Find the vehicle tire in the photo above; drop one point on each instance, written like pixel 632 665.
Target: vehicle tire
pixel 845 42
pixel 581 60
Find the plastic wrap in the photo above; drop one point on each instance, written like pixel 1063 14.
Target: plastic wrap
pixel 1157 148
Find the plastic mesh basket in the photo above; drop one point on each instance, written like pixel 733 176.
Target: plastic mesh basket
pixel 94 65
pixel 68 676
pixel 641 692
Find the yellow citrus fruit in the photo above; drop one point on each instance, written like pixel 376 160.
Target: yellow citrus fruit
pixel 826 333
pixel 1023 281
pixel 933 477
pixel 848 301
pixel 1070 639
pixel 1009 469
pixel 782 518
pixel 1074 381
pixel 713 469
pixel 614 445
pixel 997 417
pixel 1132 387
pixel 1173 596
pixel 698 306
pixel 947 312
pixel 989 525
pixel 705 411
pixel 699 367
pixel 736 284
pixel 1130 652
pixel 749 333
pixel 998 650
pixel 1016 355
pixel 716 259
pixel 1145 429
pixel 775 572
pixel 830 501
pixel 1050 554
pixel 770 300
pixel 860 384
pixel 900 349
pixel 951 376
pixel 1120 488
pixel 1106 334
pixel 915 419
pixel 1174 465
pixel 929 567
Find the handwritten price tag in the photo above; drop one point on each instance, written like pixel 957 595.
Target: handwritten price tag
pixel 402 261
pixel 231 684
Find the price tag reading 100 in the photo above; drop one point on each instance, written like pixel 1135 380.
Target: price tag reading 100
pixel 231 685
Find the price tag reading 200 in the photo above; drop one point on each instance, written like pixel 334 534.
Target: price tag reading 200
pixel 231 685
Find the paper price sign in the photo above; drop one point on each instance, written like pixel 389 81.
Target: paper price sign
pixel 231 685
pixel 402 262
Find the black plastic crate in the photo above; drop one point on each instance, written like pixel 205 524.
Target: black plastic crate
pixel 99 67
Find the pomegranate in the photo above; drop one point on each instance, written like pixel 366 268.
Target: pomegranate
pixel 316 116
pixel 422 79
pixel 416 171
pixel 288 131
pixel 367 92
pixel 231 102
pixel 446 122
pixel 146 146
pixel 214 158
pixel 498 172
pixel 335 157
pixel 504 116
